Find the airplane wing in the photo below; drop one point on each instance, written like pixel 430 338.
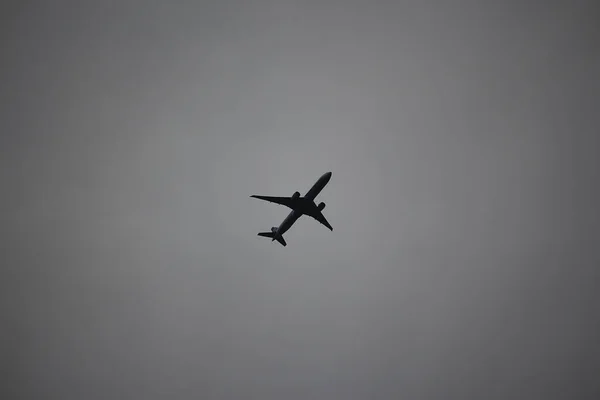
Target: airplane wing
pixel 284 201
pixel 318 215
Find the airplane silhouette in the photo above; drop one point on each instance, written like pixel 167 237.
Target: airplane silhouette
pixel 300 206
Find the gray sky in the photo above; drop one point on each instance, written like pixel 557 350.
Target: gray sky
pixel 463 142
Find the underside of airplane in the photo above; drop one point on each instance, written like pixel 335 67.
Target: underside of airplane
pixel 300 205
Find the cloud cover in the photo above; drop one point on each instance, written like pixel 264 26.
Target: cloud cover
pixel 462 140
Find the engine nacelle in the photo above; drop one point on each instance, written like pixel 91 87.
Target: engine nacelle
pixel 321 206
pixel 295 195
pixel 274 229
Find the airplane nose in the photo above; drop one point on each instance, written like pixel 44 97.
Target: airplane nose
pixel 328 174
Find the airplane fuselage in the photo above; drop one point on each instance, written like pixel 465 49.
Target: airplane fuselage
pixel 317 187
pixel 288 222
pixel 307 199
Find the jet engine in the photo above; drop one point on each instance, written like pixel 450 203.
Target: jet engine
pixel 274 229
pixel 295 195
pixel 321 206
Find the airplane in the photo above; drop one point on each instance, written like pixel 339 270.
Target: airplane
pixel 300 206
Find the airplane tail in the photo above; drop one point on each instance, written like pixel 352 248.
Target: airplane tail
pixel 272 236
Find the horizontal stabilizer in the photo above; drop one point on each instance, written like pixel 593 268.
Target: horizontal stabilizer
pixel 270 235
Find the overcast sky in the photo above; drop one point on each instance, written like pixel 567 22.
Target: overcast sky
pixel 463 141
